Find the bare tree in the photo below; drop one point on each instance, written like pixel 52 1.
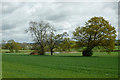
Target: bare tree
pixel 39 32
pixel 55 39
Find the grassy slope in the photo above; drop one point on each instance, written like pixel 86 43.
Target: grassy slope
pixel 101 65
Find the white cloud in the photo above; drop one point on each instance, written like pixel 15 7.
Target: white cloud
pixel 64 16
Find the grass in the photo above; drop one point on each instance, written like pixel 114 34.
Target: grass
pixel 72 50
pixel 64 65
pixel 0 66
pixel 20 51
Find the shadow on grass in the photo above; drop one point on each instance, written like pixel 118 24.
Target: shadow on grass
pixel 26 55
pixel 77 56
pixel 49 55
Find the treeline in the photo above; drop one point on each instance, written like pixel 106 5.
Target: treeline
pixel 15 47
pixel 97 33
pixel 66 45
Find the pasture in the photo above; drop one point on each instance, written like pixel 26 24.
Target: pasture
pixel 62 65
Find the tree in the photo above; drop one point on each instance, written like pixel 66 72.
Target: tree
pixel 118 42
pixel 39 32
pixel 26 46
pixel 54 40
pixel 17 46
pixel 3 44
pixel 66 44
pixel 12 45
pixel 96 32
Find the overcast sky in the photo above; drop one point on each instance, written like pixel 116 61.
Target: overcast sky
pixel 65 16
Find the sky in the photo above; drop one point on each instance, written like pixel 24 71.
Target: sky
pixel 65 16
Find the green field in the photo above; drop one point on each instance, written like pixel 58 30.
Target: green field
pixel 64 65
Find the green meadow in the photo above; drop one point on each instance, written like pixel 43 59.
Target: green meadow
pixel 60 65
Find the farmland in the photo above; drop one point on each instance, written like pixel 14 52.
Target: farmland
pixel 62 65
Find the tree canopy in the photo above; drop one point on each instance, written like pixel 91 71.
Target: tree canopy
pixel 55 39
pixel 43 34
pixel 97 32
pixel 39 32
pixel 12 45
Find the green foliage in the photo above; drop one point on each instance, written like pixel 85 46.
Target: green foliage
pixel 0 50
pixel 26 46
pixel 3 44
pixel 96 32
pixel 12 45
pixel 54 40
pixel 66 44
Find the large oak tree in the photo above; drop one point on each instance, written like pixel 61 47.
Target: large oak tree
pixel 97 32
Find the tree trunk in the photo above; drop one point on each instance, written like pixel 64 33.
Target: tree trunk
pixel 42 52
pixel 11 50
pixel 87 52
pixel 51 50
